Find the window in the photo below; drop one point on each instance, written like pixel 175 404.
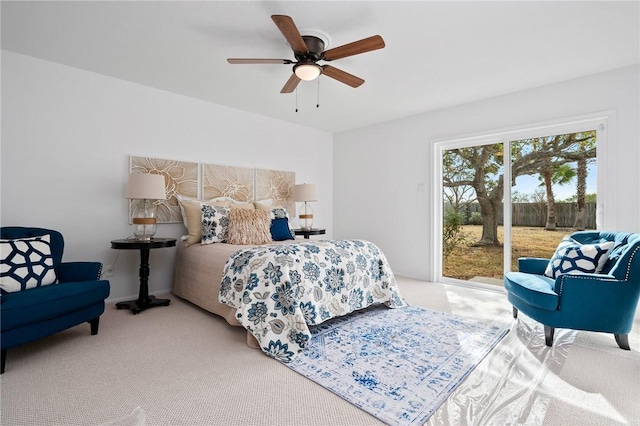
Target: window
pixel 488 215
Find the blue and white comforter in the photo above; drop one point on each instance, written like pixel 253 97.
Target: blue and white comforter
pixel 279 290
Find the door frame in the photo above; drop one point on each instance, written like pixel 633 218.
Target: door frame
pixel 598 121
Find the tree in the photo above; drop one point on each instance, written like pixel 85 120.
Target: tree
pixel 550 155
pixel 452 235
pixel 581 188
pixel 587 142
pixel 558 175
pixel 457 194
pixel 588 198
pixel 481 168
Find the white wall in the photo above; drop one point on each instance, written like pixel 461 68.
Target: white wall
pixel 378 169
pixel 67 135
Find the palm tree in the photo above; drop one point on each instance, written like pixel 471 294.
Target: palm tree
pixel 587 141
pixel 554 175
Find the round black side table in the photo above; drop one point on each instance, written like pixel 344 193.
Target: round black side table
pixel 307 232
pixel 144 301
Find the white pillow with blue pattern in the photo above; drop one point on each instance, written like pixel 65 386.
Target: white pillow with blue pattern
pixel 573 257
pixel 215 224
pixel 26 263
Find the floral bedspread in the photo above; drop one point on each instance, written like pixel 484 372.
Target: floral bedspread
pixel 281 289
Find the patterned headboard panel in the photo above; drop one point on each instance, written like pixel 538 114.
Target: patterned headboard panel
pixel 207 181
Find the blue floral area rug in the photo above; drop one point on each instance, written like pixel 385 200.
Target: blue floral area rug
pixel 399 365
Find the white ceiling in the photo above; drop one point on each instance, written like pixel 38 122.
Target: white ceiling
pixel 438 54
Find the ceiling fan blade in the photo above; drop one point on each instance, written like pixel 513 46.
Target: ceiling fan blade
pixel 291 84
pixel 289 30
pixel 361 46
pixel 258 61
pixel 342 76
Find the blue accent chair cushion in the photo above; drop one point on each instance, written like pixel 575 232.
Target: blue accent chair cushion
pixel 603 302
pixel 35 312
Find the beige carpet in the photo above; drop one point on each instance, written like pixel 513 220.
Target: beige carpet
pixel 179 365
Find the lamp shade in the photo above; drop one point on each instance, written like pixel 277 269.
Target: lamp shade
pixel 146 186
pixel 305 192
pixel 307 72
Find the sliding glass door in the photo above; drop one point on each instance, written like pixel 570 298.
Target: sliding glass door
pixel 473 190
pixel 490 214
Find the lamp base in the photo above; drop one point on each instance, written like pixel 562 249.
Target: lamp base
pixel 305 216
pixel 144 220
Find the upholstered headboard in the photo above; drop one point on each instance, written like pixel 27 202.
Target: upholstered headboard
pixel 206 181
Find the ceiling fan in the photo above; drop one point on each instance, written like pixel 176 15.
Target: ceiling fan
pixel 308 50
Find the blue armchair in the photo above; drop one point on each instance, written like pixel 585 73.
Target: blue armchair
pixel 31 311
pixel 603 302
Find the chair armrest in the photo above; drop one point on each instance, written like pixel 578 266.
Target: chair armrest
pixel 584 282
pixel 79 271
pixel 532 265
pixel 597 302
pixel 598 293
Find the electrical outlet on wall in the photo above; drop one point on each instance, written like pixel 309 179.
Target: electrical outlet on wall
pixel 107 271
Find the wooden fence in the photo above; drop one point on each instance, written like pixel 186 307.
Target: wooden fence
pixel 535 214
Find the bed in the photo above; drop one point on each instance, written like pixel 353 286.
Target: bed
pixel 277 291
pixel 240 260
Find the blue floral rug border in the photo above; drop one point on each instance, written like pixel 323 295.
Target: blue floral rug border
pixel 398 365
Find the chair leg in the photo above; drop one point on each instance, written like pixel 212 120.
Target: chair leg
pixel 94 325
pixel 623 341
pixel 515 312
pixel 548 335
pixel 3 360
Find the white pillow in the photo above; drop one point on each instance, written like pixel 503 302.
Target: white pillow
pixel 26 263
pixel 191 209
pixel 246 205
pixel 573 257
pixel 215 224
pixel 268 204
pixel 230 202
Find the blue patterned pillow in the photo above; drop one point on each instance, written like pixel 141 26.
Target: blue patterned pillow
pixel 26 263
pixel 573 257
pixel 215 223
pixel 282 213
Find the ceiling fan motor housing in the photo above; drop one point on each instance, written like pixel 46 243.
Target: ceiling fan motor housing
pixel 315 47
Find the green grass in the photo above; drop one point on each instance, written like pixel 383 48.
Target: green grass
pixel 466 262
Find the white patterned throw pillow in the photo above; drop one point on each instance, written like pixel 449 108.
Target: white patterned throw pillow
pixel 573 257
pixel 26 263
pixel 215 223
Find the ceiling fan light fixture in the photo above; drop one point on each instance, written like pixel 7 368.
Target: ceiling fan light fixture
pixel 307 72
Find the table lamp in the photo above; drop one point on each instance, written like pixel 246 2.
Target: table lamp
pixel 305 193
pixel 142 188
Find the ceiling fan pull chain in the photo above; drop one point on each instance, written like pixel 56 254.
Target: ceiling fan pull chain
pixel 296 99
pixel 318 95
